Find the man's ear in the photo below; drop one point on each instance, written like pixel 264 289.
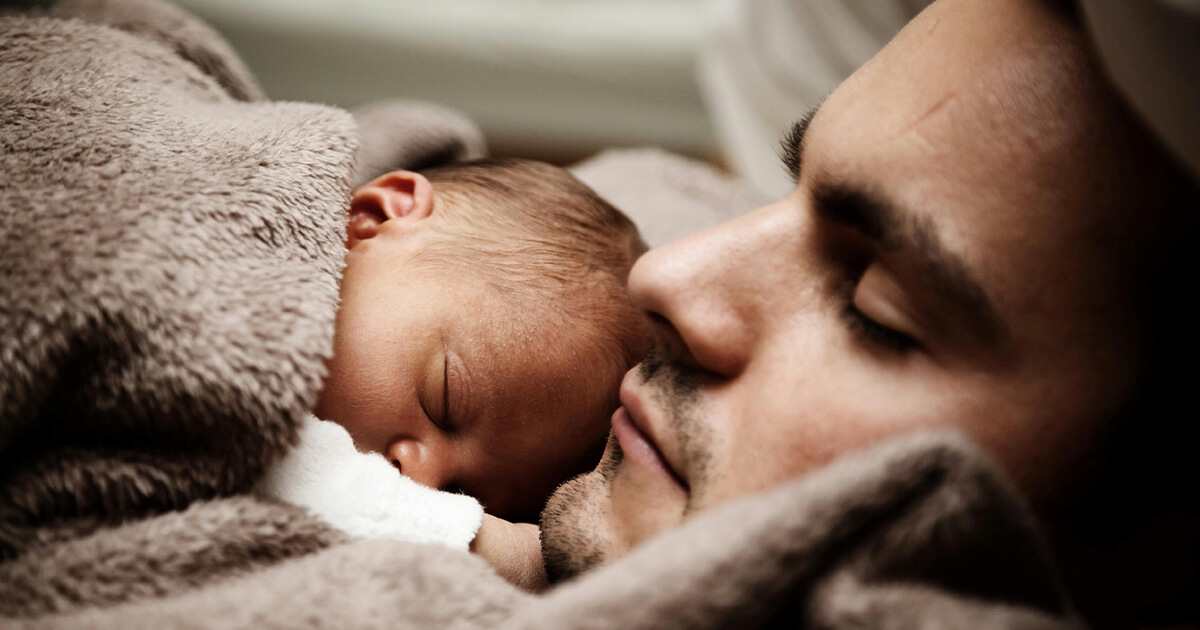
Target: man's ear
pixel 398 196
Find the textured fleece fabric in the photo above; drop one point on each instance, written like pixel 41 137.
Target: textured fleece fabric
pixel 171 256
pixel 916 533
pixel 170 246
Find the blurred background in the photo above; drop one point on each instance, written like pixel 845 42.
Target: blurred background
pixel 717 80
pixel 560 80
pixel 543 78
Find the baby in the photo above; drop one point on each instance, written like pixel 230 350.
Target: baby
pixel 483 330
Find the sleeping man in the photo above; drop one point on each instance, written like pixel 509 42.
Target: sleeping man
pixel 982 238
pixel 978 239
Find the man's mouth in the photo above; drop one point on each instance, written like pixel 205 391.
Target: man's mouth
pixel 636 436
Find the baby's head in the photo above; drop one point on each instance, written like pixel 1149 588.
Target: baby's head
pixel 484 328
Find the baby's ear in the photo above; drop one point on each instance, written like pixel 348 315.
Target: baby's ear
pixel 398 196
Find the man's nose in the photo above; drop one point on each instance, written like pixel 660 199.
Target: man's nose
pixel 704 286
pixel 427 462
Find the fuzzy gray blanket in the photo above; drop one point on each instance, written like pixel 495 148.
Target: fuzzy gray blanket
pixel 170 249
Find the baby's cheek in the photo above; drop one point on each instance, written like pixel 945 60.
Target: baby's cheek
pixel 336 403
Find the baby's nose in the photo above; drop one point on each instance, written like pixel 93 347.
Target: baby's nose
pixel 428 465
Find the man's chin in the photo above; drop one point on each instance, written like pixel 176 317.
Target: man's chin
pixel 576 535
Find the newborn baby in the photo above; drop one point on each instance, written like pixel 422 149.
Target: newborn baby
pixel 483 330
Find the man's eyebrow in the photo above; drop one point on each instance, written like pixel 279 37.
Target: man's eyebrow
pixel 791 145
pixel 945 272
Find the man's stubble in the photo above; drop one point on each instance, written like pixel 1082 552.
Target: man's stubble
pixel 575 531
pixel 574 535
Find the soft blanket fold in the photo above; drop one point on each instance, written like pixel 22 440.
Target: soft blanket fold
pixel 170 273
pixel 170 249
pixel 910 534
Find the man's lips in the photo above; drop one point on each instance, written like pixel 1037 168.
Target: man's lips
pixel 633 432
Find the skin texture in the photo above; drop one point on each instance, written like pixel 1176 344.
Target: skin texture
pixel 786 338
pixel 514 550
pixel 522 415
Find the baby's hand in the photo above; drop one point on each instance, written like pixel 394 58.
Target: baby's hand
pixel 514 550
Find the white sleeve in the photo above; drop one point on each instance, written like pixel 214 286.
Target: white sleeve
pixel 365 496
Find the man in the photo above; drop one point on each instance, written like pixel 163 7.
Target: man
pixel 971 243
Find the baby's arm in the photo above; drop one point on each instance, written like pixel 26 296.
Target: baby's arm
pixel 363 495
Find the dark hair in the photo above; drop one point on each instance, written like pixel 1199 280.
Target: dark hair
pixel 541 235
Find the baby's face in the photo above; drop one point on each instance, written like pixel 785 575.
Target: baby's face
pixel 459 387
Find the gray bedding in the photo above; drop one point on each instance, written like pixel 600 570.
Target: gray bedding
pixel 170 250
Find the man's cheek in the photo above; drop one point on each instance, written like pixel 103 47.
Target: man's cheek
pixel 643 505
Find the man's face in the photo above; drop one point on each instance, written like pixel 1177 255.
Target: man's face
pixel 951 256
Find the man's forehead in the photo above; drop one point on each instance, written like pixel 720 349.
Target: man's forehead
pixel 952 119
pixel 994 55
